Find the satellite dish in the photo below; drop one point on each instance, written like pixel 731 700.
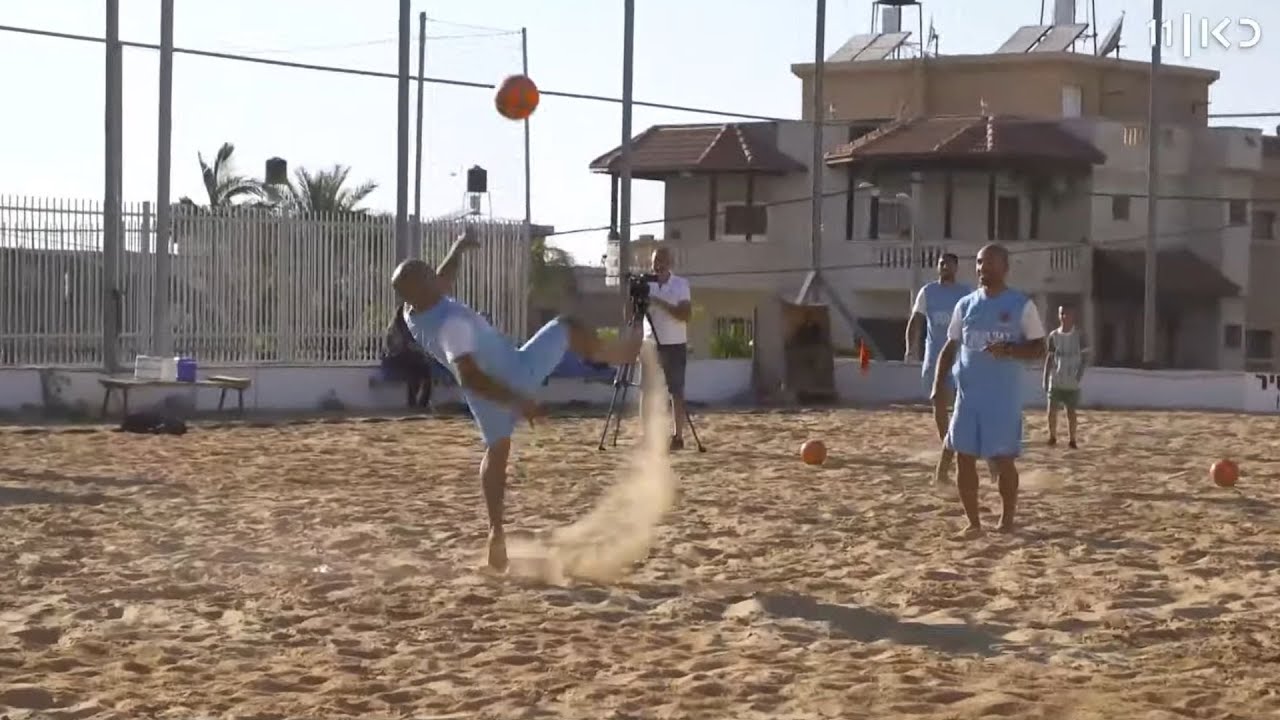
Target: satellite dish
pixel 1111 42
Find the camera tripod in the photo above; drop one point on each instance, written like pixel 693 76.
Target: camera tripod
pixel 624 380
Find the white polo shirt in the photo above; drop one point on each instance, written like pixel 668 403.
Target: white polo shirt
pixel 670 330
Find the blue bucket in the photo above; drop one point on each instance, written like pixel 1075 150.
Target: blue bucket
pixel 186 370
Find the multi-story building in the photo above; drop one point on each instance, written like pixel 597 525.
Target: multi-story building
pixel 1042 150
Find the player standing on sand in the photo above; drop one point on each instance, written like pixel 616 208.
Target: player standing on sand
pixel 993 331
pixel 497 379
pixel 1063 370
pixel 933 307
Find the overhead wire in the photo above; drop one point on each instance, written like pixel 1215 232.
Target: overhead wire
pixel 592 97
pixel 465 83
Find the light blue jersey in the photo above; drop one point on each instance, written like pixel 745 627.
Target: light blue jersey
pixel 936 302
pixel 987 421
pixel 450 330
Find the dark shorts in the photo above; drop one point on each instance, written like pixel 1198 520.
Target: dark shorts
pixel 1064 397
pixel 673 359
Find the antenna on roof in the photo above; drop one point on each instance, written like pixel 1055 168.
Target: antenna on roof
pixel 1111 42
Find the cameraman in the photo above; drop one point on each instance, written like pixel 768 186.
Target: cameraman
pixel 670 305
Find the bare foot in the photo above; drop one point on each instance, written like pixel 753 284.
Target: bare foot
pixel 969 533
pixel 1005 527
pixel 498 551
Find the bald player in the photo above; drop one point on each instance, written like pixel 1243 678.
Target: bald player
pixel 497 379
pixel 994 330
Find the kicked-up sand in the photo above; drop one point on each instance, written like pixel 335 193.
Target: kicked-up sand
pixel 331 570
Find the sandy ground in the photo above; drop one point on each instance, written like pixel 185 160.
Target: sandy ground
pixel 330 570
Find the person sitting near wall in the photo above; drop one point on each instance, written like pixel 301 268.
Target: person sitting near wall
pixel 403 360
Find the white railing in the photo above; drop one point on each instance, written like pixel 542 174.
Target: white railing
pixel 245 286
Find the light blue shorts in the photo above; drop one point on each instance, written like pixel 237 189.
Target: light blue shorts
pixel 534 363
pixel 987 427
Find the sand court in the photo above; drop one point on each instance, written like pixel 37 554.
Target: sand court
pixel 330 570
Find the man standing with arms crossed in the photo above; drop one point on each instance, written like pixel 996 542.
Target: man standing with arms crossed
pixel 933 307
pixel 993 331
pixel 1063 369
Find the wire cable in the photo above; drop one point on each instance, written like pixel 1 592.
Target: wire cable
pixel 464 83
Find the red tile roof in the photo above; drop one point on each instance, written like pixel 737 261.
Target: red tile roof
pixel 976 138
pixel 665 150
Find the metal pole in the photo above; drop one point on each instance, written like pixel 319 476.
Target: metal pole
pixel 528 184
pixel 1153 176
pixel 111 212
pixel 402 136
pixel 815 200
pixel 417 159
pixel 624 157
pixel 160 326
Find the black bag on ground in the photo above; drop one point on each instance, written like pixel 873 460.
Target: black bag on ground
pixel 150 423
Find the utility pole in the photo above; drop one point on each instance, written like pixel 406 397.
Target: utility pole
pixel 402 135
pixel 160 323
pixel 1153 189
pixel 417 145
pixel 112 221
pixel 624 156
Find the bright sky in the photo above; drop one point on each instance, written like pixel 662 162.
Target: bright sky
pixel 727 54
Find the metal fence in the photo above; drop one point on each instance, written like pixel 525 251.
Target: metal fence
pixel 244 286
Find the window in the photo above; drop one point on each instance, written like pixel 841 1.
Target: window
pixel 1135 136
pixel 740 221
pixel 1232 336
pixel 889 219
pixel 1008 218
pixel 740 327
pixel 1257 344
pixel 1072 101
pixel 1264 225
pixel 1120 207
pixel 1237 212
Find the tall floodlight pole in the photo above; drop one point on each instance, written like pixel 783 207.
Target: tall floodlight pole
pixel 417 145
pixel 160 327
pixel 815 282
pixel 624 156
pixel 402 136
pixel 1153 187
pixel 528 178
pixel 111 210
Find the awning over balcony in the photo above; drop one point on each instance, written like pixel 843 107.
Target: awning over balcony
pixel 1181 276
pixel 666 150
pixel 983 141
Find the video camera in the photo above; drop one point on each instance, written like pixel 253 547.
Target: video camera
pixel 638 286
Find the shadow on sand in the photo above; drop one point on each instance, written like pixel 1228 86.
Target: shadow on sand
pixel 869 626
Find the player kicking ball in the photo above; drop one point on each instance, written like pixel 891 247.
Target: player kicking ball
pixel 993 331
pixel 498 380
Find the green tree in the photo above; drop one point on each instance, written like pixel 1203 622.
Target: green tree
pixel 550 273
pixel 326 191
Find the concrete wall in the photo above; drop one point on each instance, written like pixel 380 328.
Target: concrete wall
pixel 1028 84
pixel 26 391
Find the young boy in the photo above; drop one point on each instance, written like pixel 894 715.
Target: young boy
pixel 1063 369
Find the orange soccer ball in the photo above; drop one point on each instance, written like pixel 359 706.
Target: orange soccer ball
pixel 1225 473
pixel 517 97
pixel 813 452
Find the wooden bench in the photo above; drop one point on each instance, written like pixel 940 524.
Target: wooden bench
pixel 220 382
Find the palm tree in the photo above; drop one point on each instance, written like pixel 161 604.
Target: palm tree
pixel 223 185
pixel 323 191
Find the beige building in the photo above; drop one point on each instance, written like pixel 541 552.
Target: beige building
pixel 1042 151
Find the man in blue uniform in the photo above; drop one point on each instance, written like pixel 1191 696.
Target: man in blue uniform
pixel 994 331
pixel 933 307
pixel 497 379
